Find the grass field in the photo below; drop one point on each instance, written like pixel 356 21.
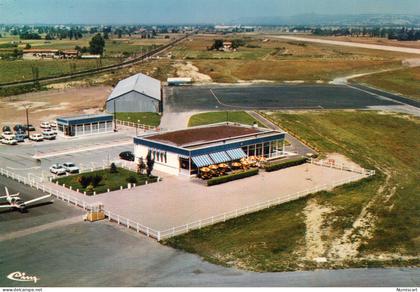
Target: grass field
pixel 373 222
pixel 150 119
pixel 282 60
pixel 218 117
pixel 404 81
pixel 111 181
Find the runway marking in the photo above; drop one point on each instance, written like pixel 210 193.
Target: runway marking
pixel 26 168
pixel 39 228
pixel 261 107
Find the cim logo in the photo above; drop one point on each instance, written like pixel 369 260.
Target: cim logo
pixel 22 277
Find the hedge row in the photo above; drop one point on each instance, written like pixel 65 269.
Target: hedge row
pixel 223 179
pixel 284 164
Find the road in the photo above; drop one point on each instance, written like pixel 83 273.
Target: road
pixel 348 44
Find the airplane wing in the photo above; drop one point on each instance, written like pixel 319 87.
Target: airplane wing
pixel 5 206
pixel 36 200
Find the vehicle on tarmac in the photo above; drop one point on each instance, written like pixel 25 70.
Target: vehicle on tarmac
pixel 31 128
pixel 36 137
pixel 20 137
pixel 16 203
pixel 70 167
pixel 9 140
pixel 53 124
pixel 45 125
pixel 49 135
pixel 57 169
pixel 127 155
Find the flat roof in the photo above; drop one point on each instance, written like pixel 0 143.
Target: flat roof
pixel 207 134
pixel 85 118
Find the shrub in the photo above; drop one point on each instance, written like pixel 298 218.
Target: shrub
pixel 284 164
pixel 230 177
pixel 131 179
pixel 113 168
pixel 96 179
pixel 84 181
pixel 89 190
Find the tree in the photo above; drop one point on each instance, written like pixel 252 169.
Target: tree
pixel 217 44
pixel 150 163
pixel 97 44
pixel 141 166
pixel 96 179
pixel 106 36
pixel 84 181
pixel 28 46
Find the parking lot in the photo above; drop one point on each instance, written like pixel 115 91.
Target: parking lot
pixel 85 152
pixel 205 98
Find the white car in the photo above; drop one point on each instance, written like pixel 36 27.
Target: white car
pixel 45 125
pixel 9 140
pixel 7 134
pixel 70 167
pixel 57 169
pixel 49 135
pixel 36 137
pixel 53 124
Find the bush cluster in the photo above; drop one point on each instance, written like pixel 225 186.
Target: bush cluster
pixel 284 164
pixel 234 176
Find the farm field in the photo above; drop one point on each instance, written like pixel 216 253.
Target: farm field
pixel 369 223
pixel 281 60
pixel 115 51
pixel 404 81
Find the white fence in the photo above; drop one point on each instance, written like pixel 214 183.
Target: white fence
pixel 31 181
pixel 341 166
pixel 251 209
pixel 137 125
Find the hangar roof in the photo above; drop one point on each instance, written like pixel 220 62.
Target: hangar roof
pixel 140 83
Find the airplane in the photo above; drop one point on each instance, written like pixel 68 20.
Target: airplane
pixel 15 202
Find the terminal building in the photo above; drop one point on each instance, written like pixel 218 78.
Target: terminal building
pixel 138 93
pixel 183 152
pixel 85 125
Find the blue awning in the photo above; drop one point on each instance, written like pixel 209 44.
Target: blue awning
pixel 236 154
pixel 202 160
pixel 219 157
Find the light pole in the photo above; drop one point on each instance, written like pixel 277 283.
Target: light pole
pixel 27 107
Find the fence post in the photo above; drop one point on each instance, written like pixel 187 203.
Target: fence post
pixel 158 235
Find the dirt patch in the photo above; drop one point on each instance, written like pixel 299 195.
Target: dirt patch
pixel 189 70
pixel 338 158
pixel 48 105
pixel 315 247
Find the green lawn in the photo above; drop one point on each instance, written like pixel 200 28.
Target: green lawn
pixel 274 239
pixel 405 81
pixel 111 181
pixel 218 117
pixel 150 119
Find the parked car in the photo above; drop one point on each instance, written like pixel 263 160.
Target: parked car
pixel 36 137
pixel 9 140
pixel 57 169
pixel 19 127
pixel 49 135
pixel 20 137
pixel 21 132
pixel 6 129
pixel 53 124
pixel 70 167
pixel 127 155
pixel 7 134
pixel 45 125
pixel 31 128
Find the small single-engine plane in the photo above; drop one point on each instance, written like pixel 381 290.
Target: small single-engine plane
pixel 15 202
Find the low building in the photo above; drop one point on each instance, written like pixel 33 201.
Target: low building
pixel 177 81
pixel 183 152
pixel 70 54
pixel 138 93
pixel 90 56
pixel 41 54
pixel 85 125
pixel 227 46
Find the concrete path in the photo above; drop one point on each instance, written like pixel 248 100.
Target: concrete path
pixel 348 44
pixel 295 144
pixel 175 121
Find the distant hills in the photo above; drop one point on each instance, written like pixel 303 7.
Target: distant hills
pixel 348 20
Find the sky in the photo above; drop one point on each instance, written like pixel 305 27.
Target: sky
pixel 185 11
